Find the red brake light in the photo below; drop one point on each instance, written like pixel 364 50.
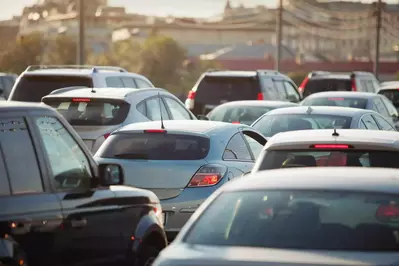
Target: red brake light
pixel 191 95
pixel 155 131
pixel 353 81
pixel 260 96
pixel 336 99
pixel 208 175
pixel 388 211
pixel 301 87
pixel 81 100
pixel 330 146
pixel 107 135
pixel 236 122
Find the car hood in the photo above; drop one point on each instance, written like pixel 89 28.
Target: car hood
pixel 178 254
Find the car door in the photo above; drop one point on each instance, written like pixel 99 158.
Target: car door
pixel 29 212
pixel 89 214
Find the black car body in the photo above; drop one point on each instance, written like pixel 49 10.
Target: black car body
pixel 58 207
pixel 6 83
pixel 218 87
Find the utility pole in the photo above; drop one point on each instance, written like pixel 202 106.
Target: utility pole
pixel 81 37
pixel 279 31
pixel 378 14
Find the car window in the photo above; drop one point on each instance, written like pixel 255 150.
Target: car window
pixel 379 107
pixel 238 114
pixel 237 149
pixel 388 104
pixel 315 85
pixel 69 165
pixel 255 146
pixel 370 122
pixel 19 156
pixel 177 110
pixel 267 83
pixel 142 83
pixel 383 123
pixel 114 82
pixel 292 93
pixel 129 82
pixel 153 111
pixel 280 89
pixel 336 101
pixel 362 125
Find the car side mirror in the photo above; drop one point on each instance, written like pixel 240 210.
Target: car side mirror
pixel 111 174
pixel 202 117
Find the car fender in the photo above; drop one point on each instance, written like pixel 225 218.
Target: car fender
pixel 147 225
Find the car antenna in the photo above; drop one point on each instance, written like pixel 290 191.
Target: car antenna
pixel 160 110
pixel 335 133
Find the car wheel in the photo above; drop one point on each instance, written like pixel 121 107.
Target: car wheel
pixel 147 256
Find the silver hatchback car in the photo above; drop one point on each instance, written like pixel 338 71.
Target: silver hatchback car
pixel 96 112
pixel 182 164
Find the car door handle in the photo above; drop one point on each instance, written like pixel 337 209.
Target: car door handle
pixel 78 222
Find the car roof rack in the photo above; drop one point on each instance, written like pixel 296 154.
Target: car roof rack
pixel 317 73
pixel 92 68
pixel 62 90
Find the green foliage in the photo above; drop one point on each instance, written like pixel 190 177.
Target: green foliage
pixel 397 75
pixel 298 77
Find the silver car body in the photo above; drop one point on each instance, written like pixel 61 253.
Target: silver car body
pixel 169 179
pixel 94 136
pixel 376 180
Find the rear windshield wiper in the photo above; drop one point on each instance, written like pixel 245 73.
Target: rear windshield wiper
pixel 142 156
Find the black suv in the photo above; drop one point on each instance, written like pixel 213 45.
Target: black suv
pixel 58 207
pixel 216 87
pixel 320 81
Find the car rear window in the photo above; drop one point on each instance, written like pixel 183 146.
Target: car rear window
pixel 392 95
pixel 156 146
pixel 300 219
pixel 242 114
pixel 216 90
pixel 269 125
pixel 326 84
pixel 90 111
pixel 336 101
pixel 31 88
pixel 322 158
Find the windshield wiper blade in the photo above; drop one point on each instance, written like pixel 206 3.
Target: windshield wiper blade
pixel 142 156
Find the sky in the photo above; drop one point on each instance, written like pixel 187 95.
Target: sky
pixel 191 8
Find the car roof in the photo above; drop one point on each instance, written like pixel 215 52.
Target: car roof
pixel 361 137
pixel 259 103
pixel 362 179
pixel 10 106
pixel 231 73
pixel 331 76
pixel 321 110
pixel 193 126
pixel 346 94
pixel 60 72
pixel 390 86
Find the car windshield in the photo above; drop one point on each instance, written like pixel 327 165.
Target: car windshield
pixel 275 159
pixel 269 125
pixel 392 95
pixel 240 114
pixel 300 219
pixel 90 112
pixel 326 84
pixel 156 146
pixel 336 101
pixel 32 88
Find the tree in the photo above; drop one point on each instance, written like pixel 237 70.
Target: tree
pixel 397 75
pixel 61 51
pixel 297 77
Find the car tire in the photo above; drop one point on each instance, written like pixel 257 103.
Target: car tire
pixel 147 256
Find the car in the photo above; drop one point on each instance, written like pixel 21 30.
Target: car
pixel 392 93
pixel 330 147
pixel 217 87
pixel 331 216
pixel 319 117
pixel 244 112
pixel 389 83
pixel 320 81
pixel 58 206
pixel 38 81
pixel 182 162
pixel 7 80
pixel 362 100
pixel 96 112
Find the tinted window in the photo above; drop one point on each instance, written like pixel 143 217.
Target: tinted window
pixel 292 93
pixel 91 112
pixel 143 84
pixel 312 157
pixel 270 125
pixel 299 219
pixel 379 107
pixel 156 146
pixel 153 111
pixel 242 114
pixel 392 95
pixel 383 123
pixel 129 82
pixel 237 149
pixel 370 122
pixel 33 88
pixel 177 110
pixel 214 90
pixel 319 85
pixel 114 82
pixel 69 165
pixel 336 101
pixel 20 157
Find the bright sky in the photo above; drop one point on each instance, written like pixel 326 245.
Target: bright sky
pixel 192 8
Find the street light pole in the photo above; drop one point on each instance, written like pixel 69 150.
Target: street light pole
pixel 81 37
pixel 279 30
pixel 378 37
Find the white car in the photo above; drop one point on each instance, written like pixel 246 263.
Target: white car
pixel 96 112
pixel 330 147
pixel 38 81
pixel 339 216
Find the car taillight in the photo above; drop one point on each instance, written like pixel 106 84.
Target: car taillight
pixel 208 175
pixel 191 95
pixel 330 146
pixel 260 96
pixel 236 122
pixel 107 135
pixel 336 99
pixel 353 81
pixel 155 131
pixel 158 213
pixel 301 87
pixel 81 100
pixel 388 212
